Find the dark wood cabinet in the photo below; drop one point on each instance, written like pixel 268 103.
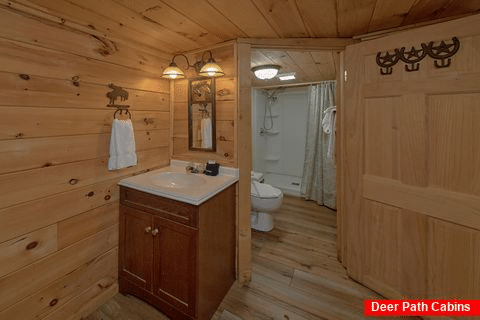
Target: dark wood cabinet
pixel 178 257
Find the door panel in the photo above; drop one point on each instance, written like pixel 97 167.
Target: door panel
pixel 381 137
pixel 411 218
pixel 454 125
pixel 136 246
pixel 456 264
pixel 175 261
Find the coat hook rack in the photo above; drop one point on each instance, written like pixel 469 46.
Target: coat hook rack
pixel 441 53
pixel 118 93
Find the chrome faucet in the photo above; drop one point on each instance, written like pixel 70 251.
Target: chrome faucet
pixel 193 168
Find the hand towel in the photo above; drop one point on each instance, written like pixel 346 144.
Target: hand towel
pixel 206 129
pixel 328 124
pixel 122 145
pixel 327 121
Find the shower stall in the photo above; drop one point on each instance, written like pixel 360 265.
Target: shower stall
pixel 279 118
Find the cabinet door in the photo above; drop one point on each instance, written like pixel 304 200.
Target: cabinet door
pixel 136 246
pixel 174 264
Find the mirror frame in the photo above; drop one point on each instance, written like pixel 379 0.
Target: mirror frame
pixel 191 102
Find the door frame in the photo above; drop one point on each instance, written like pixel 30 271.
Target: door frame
pixel 243 48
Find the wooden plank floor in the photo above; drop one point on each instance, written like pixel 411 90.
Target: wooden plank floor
pixel 296 275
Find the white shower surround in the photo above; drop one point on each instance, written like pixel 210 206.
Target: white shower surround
pixel 288 145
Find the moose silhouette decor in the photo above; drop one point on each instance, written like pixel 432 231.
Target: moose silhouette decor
pixel 118 92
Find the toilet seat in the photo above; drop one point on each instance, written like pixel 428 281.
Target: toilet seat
pixel 264 191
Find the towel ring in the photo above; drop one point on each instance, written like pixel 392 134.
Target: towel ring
pixel 121 111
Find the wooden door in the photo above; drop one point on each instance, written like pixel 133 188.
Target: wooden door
pixel 411 216
pixel 175 264
pixel 136 247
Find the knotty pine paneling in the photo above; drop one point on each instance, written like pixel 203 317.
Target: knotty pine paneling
pixel 65 121
pixel 54 139
pixel 29 280
pixel 116 22
pixel 86 224
pixel 17 219
pixel 40 91
pixel 21 251
pixel 225 88
pixel 37 183
pixel 46 34
pixel 24 154
pixel 101 271
pixel 19 57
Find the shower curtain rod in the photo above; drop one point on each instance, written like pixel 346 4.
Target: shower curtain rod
pixel 293 84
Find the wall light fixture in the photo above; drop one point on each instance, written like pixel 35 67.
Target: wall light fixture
pixel 206 69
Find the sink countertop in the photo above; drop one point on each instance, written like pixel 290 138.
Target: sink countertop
pixel 195 195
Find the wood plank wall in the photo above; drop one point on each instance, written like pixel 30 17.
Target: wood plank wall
pixel 226 110
pixel 58 201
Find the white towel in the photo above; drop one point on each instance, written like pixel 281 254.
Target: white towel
pixel 328 120
pixel 328 124
pixel 122 145
pixel 206 129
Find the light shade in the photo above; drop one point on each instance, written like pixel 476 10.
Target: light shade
pixel 211 69
pixel 265 72
pixel 173 72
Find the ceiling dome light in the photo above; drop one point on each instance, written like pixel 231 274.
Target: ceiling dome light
pixel 211 69
pixel 266 72
pixel 173 72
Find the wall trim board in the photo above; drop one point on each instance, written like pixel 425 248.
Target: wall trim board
pixel 298 43
pixel 384 33
pixel 244 156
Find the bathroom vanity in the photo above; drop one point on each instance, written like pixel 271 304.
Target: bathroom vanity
pixel 175 255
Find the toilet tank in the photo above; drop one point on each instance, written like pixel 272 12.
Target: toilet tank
pixel 257 176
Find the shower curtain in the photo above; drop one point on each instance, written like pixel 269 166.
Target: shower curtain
pixel 318 179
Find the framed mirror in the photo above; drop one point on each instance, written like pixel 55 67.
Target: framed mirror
pixel 201 115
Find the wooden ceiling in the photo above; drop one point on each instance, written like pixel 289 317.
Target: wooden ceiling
pixel 164 27
pixel 170 26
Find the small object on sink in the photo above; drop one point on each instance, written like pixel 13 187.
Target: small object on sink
pixel 212 168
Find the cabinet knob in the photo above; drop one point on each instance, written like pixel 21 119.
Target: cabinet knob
pixel 154 232
pixel 148 229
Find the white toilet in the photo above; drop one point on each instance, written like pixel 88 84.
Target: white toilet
pixel 265 200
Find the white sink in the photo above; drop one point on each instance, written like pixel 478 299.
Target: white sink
pixel 174 183
pixel 178 180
